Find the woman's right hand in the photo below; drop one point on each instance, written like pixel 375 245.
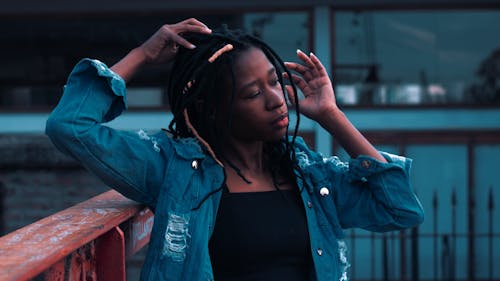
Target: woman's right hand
pixel 159 48
pixel 163 45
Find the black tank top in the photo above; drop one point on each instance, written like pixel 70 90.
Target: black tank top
pixel 261 236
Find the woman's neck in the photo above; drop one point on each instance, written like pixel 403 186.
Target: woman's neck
pixel 247 156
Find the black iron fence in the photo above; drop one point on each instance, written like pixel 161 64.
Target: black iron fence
pixel 437 255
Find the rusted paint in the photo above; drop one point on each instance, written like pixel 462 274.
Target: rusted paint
pixel 110 256
pixel 33 249
pixel 81 264
pixel 138 231
pixel 56 272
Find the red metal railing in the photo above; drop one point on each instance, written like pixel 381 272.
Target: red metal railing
pixel 88 241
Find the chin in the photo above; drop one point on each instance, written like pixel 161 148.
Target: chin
pixel 278 137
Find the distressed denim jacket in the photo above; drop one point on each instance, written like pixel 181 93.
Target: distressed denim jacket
pixel 181 182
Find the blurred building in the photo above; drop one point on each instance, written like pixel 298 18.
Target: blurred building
pixel 418 78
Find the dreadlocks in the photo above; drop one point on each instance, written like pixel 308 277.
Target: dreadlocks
pixel 199 86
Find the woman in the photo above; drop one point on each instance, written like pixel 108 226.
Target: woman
pixel 234 197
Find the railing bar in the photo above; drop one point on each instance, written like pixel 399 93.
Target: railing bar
pixel 491 208
pixel 393 255
pixel 353 258
pixel 372 242
pixel 110 256
pixel 453 241
pixel 402 250
pixel 385 270
pixel 435 233
pixel 415 262
pixel 32 249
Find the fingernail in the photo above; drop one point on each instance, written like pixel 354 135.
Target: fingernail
pixel 311 54
pixel 192 46
pixel 299 51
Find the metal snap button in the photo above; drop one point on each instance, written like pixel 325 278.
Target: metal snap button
pixel 324 191
pixel 366 164
pixel 309 204
pixel 194 164
pixel 319 251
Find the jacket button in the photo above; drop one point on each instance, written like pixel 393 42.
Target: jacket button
pixel 319 251
pixel 324 191
pixel 309 204
pixel 194 164
pixel 366 164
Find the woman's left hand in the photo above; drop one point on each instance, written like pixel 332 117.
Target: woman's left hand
pixel 313 81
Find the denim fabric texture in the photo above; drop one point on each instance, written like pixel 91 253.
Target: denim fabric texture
pixel 181 182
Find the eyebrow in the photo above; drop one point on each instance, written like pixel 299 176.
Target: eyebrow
pixel 249 84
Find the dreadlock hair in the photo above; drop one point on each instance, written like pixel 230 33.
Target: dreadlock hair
pixel 200 88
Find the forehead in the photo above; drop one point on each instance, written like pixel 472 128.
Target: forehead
pixel 251 62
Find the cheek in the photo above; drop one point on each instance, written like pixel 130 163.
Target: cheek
pixel 248 111
pixel 245 121
pixel 242 121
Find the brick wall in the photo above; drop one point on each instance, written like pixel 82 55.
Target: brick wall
pixel 36 180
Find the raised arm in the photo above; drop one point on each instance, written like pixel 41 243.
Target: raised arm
pixel 161 47
pixel 131 162
pixel 373 191
pixel 320 105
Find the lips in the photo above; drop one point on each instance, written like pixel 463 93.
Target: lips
pixel 281 121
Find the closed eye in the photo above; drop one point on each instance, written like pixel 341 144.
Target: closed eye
pixel 253 95
pixel 274 82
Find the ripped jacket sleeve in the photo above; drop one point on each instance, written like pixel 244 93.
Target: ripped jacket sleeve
pixel 121 159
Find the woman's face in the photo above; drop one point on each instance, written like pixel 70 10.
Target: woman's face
pixel 260 112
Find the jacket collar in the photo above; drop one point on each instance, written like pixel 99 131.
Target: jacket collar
pixel 188 148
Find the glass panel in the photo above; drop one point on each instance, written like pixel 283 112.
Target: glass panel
pixel 344 156
pixel 417 57
pixel 487 197
pixel 23 97
pixel 439 176
pixel 371 256
pixel 145 97
pixel 32 75
pixel 285 32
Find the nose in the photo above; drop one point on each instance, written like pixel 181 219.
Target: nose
pixel 274 98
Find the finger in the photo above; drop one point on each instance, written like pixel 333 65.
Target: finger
pixel 291 95
pixel 301 69
pixel 285 75
pixel 177 39
pixel 191 25
pixel 301 84
pixel 296 67
pixel 193 28
pixel 303 57
pixel 318 65
pixel 193 21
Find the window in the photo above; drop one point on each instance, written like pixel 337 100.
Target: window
pixel 285 32
pixel 40 53
pixel 417 57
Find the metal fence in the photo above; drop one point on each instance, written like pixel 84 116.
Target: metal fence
pixel 398 255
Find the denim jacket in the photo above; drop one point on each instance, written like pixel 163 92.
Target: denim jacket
pixel 180 181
